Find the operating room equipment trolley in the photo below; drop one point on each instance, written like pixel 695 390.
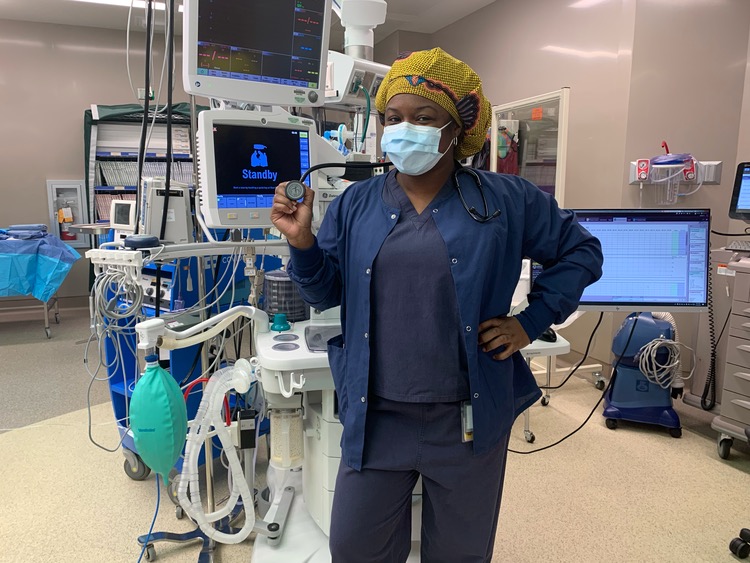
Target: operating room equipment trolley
pixel 734 417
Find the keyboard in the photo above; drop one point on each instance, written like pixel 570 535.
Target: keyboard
pixel 741 245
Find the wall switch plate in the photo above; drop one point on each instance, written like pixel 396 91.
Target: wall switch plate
pixel 142 94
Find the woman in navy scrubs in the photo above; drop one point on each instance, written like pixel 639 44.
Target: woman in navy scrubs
pixel 423 261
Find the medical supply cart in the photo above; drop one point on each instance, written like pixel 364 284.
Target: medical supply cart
pixel 734 417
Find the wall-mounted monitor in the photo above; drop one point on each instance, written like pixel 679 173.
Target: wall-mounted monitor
pixel 243 156
pixel 268 52
pixel 654 259
pixel 739 208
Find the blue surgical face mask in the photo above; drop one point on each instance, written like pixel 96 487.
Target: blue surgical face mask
pixel 413 149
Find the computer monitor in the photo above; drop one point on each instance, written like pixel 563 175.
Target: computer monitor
pixel 268 52
pixel 654 259
pixel 739 208
pixel 243 156
pixel 122 215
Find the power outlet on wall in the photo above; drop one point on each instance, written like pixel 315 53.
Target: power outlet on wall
pixel 142 94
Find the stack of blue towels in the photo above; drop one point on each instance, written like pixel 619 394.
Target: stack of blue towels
pixel 24 231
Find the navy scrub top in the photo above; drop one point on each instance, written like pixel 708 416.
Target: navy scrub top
pixel 417 347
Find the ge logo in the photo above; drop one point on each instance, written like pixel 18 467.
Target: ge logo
pixel 197 84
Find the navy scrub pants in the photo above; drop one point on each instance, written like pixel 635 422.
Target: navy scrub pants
pixel 371 517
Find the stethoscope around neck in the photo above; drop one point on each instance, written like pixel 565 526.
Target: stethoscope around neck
pixel 472 211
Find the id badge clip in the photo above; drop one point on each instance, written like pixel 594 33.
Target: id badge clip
pixel 467 422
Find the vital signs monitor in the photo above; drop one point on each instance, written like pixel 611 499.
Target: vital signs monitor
pixel 268 52
pixel 243 156
pixel 654 259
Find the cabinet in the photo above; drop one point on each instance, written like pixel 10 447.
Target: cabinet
pixel 529 139
pixel 112 139
pixel 735 398
pixel 66 205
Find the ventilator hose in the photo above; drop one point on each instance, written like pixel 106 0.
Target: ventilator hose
pixel 209 416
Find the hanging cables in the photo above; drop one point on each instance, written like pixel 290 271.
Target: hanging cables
pixel 583 359
pixel 127 51
pixel 170 86
pixel 743 234
pixel 144 124
pixel 367 114
pixel 596 406
pixel 662 372
pixel 118 300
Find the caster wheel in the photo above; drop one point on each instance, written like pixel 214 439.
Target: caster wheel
pixel 545 401
pixel 724 447
pixel 599 384
pixel 611 423
pixel 139 472
pixel 174 482
pixel 48 333
pixel 179 512
pixel 150 553
pixel 530 437
pixel 675 432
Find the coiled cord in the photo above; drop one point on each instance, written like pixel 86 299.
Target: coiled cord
pixel 708 398
pixel 666 373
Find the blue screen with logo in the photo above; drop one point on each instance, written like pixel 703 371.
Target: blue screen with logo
pixel 251 161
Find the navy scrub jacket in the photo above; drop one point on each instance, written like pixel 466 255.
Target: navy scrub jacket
pixel 485 262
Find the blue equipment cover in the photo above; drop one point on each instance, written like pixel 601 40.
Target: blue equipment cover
pixel 34 267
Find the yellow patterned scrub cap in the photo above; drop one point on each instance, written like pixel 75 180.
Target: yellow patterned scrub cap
pixel 445 80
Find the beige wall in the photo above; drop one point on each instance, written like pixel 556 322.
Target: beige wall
pixel 523 49
pixel 743 140
pixel 49 75
pixel 387 50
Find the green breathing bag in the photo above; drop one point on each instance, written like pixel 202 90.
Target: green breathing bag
pixel 158 419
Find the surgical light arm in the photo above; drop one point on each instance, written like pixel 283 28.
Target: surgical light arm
pixel 360 18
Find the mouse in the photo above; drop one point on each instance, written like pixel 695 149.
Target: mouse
pixel 548 335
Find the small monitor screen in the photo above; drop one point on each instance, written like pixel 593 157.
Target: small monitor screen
pixel 250 161
pixel 740 205
pixel 654 259
pixel 122 215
